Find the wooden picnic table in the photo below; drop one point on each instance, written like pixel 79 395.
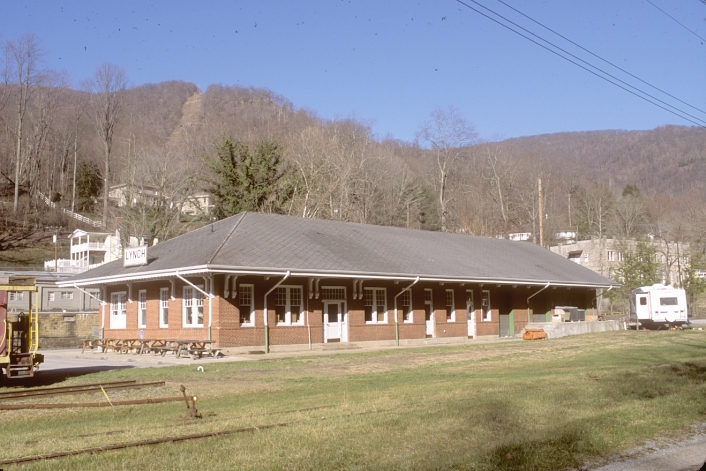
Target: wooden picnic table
pixel 103 344
pixel 195 348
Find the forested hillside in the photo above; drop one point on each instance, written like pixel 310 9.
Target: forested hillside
pixel 167 136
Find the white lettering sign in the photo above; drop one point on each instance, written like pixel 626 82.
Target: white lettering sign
pixel 135 256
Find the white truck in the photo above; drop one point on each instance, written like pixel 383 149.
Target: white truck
pixel 658 306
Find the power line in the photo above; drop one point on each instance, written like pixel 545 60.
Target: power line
pixel 576 63
pixel 600 58
pixel 677 21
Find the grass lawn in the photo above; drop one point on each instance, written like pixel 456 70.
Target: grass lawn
pixel 542 405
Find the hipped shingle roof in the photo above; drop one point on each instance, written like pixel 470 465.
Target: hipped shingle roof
pixel 259 243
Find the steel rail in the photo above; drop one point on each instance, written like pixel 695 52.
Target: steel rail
pixel 78 390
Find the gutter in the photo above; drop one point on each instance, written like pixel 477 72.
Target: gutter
pixel 203 269
pixel 397 324
pixel 267 327
pixel 535 294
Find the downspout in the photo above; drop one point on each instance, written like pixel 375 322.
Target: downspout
pixel 601 295
pixel 210 305
pixel 208 295
pixel 104 293
pixel 397 323
pixel 267 327
pixel 535 294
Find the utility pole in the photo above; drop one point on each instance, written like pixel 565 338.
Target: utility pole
pixel 541 214
pixel 56 252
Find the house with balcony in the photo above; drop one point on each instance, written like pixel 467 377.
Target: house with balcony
pixel 89 250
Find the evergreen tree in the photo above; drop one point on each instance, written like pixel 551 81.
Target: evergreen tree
pixel 248 179
pixel 639 267
pixel 694 283
pixel 89 183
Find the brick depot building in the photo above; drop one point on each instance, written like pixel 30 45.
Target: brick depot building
pixel 273 281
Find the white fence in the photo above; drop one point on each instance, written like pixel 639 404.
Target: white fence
pixel 72 214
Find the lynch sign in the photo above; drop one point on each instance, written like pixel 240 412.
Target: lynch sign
pixel 135 256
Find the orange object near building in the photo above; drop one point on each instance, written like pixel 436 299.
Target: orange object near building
pixel 534 334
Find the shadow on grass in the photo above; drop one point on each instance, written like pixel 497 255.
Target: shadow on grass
pixel 568 449
pixel 56 376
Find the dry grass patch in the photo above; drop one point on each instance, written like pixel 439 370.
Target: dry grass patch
pixel 541 405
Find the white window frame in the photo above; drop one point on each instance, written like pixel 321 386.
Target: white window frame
pixel 142 308
pixel 163 308
pixel 67 295
pixel 192 306
pixel 486 316
pixel 620 256
pixel 585 257
pixel 410 313
pixel 250 307
pixel 16 296
pixel 51 296
pixel 452 317
pixel 375 295
pixel 611 257
pixel 118 302
pixel 288 304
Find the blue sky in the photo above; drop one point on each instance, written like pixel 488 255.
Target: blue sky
pixel 390 63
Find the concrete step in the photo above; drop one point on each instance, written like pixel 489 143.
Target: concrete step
pixel 337 346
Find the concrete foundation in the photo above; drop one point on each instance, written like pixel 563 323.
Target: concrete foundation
pixel 562 329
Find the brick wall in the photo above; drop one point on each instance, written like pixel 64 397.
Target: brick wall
pixel 228 332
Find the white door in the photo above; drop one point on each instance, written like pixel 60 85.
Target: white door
pixel 641 307
pixel 335 327
pixel 429 319
pixel 118 313
pixel 471 318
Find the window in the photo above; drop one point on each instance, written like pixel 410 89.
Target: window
pixel 142 308
pixel 330 293
pixel 375 306
pixel 164 307
pixel 288 305
pixel 117 304
pixel 17 296
pixel 611 257
pixel 245 302
pixel 643 301
pixel 620 256
pixel 485 305
pixel 450 310
pixel 52 296
pixel 406 304
pixel 668 301
pixel 192 313
pixel 67 295
pixel 585 257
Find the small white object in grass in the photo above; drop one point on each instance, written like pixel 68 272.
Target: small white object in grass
pixel 200 368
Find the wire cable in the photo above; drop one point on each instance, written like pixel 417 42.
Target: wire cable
pixel 600 58
pixel 576 63
pixel 676 21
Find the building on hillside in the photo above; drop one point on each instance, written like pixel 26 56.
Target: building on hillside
pixel 89 250
pixel 128 195
pixel 66 315
pixel 604 256
pixel 196 204
pixel 268 280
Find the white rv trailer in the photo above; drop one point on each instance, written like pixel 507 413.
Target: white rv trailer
pixel 658 306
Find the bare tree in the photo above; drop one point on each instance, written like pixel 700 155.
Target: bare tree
pixel 107 89
pixel 22 68
pixel 448 134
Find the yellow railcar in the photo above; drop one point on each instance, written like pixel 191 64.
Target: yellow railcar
pixel 20 331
